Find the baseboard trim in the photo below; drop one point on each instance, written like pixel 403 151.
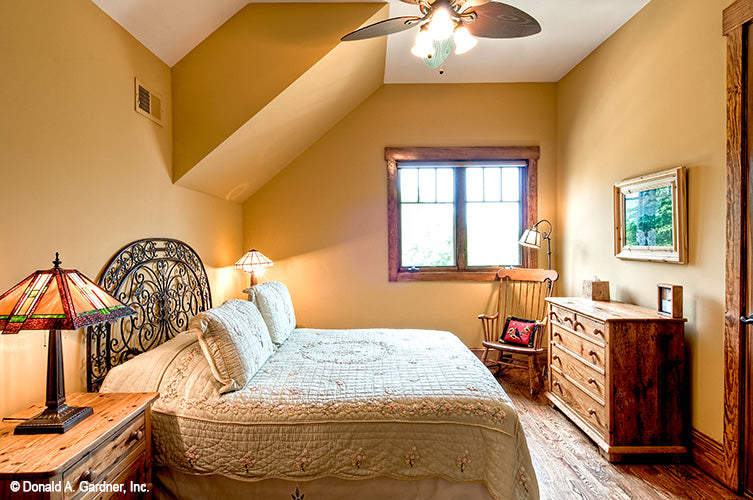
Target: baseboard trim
pixel 707 454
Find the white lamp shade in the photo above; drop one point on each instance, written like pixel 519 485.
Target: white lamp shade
pixel 253 261
pixel 530 238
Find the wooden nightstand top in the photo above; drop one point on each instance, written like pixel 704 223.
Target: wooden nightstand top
pixel 50 454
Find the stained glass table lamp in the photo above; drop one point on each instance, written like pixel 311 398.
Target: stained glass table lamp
pixel 56 299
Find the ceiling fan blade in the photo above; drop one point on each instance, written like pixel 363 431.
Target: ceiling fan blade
pixel 469 3
pixel 382 28
pixel 499 20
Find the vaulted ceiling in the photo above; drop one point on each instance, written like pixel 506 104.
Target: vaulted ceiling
pixel 571 29
pixel 255 84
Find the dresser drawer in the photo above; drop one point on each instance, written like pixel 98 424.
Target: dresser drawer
pixel 104 464
pixel 592 352
pixel 591 329
pixel 588 328
pixel 590 379
pixel 580 402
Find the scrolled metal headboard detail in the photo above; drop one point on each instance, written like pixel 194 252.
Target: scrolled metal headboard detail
pixel 165 282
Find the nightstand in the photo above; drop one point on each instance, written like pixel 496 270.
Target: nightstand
pixel 107 455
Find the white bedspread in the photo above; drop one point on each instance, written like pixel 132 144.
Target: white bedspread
pixel 350 404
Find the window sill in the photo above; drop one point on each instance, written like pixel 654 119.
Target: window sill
pixel 485 275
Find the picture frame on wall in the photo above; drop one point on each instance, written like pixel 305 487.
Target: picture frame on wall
pixel 650 217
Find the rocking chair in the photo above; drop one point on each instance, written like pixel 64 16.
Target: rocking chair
pixel 521 297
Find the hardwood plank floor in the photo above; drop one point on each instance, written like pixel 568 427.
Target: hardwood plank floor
pixel 568 464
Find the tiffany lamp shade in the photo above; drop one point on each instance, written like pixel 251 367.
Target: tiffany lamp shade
pixel 54 300
pixel 254 263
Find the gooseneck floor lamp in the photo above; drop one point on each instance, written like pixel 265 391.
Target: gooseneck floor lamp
pixel 532 238
pixel 56 299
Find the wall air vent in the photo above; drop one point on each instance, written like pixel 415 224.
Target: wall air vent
pixel 148 103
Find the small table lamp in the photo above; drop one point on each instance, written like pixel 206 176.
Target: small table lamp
pixel 532 238
pixel 254 263
pixel 54 300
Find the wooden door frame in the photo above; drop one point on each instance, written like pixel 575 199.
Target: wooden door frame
pixel 736 19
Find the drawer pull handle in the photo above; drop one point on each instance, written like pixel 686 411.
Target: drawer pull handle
pixel 88 476
pixel 569 319
pixel 575 325
pixel 554 315
pixel 557 334
pixel 591 352
pixel 136 435
pixel 555 357
pixel 556 384
pixel 598 332
pixel 591 380
pixel 591 411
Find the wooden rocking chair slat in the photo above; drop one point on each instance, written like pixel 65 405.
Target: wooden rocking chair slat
pixel 522 294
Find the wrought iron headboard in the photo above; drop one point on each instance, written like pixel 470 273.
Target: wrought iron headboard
pixel 165 282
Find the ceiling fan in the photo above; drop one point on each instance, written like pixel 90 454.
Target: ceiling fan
pixel 448 24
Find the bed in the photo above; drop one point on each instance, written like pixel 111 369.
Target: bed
pixel 375 413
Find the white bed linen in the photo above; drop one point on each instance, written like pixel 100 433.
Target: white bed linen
pixel 347 404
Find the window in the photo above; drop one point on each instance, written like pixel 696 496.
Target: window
pixel 457 213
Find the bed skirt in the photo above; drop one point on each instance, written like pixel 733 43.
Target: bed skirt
pixel 170 484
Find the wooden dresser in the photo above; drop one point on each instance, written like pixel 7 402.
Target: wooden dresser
pixel 616 370
pixel 104 453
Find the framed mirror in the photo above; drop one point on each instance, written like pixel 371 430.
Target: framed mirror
pixel 650 217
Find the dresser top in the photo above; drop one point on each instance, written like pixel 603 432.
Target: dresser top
pixel 48 454
pixel 610 311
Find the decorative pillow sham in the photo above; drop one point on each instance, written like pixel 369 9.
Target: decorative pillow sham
pixel 519 331
pixel 235 342
pixel 276 307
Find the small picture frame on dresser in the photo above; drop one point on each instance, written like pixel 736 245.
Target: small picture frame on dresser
pixel 669 302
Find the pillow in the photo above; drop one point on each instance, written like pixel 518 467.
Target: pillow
pixel 235 342
pixel 273 300
pixel 519 331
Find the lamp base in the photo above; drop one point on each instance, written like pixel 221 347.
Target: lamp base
pixel 54 420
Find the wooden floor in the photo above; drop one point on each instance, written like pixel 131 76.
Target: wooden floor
pixel 568 465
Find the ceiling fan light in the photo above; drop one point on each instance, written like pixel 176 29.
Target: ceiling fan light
pixel 423 47
pixel 441 25
pixel 463 40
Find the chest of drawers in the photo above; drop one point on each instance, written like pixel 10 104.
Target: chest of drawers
pixel 616 370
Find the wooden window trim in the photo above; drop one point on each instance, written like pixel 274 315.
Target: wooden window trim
pixel 393 155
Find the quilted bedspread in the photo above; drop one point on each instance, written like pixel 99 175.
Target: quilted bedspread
pixel 351 404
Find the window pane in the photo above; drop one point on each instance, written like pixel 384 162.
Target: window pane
pixel 445 185
pixel 427 235
pixel 510 184
pixel 408 184
pixel 474 184
pixel 492 184
pixel 493 232
pixel 427 186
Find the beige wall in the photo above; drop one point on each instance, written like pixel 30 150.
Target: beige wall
pixel 83 174
pixel 650 98
pixel 323 219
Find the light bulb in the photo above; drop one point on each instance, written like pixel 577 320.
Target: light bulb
pixel 423 47
pixel 463 40
pixel 441 25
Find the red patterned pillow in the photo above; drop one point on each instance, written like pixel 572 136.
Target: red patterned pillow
pixel 519 331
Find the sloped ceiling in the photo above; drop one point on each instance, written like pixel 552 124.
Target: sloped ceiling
pixel 255 84
pixel 263 87
pixel 571 30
